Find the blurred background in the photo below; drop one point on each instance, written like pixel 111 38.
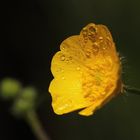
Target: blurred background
pixel 33 31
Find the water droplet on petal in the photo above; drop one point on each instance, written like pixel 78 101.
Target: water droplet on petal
pixel 63 78
pixel 103 93
pixel 78 68
pixel 101 38
pixel 62 58
pixel 59 70
pixel 95 49
pixel 89 84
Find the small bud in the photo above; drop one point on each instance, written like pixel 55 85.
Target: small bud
pixel 28 94
pixel 25 101
pixel 21 106
pixel 10 88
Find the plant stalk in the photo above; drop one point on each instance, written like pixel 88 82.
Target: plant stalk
pixel 35 125
pixel 132 90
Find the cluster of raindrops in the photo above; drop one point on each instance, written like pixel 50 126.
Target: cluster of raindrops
pixel 88 66
pixel 66 59
pixel 98 38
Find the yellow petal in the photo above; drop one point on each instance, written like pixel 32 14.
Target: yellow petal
pixel 86 71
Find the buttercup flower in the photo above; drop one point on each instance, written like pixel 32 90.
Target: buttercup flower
pixel 86 70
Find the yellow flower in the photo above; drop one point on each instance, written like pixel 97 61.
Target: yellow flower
pixel 86 71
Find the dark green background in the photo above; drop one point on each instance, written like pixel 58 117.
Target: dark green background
pixel 33 31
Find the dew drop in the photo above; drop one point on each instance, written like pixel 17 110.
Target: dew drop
pixel 109 62
pixel 63 78
pixel 95 49
pixel 101 38
pixel 103 93
pixel 62 58
pixel 59 70
pixel 92 29
pixel 70 58
pixel 90 96
pixel 64 46
pixel 88 53
pixel 89 84
pixel 78 68
pixel 95 43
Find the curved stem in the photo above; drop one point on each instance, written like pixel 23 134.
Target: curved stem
pixel 34 123
pixel 132 90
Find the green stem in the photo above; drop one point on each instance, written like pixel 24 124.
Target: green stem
pixel 132 90
pixel 34 123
